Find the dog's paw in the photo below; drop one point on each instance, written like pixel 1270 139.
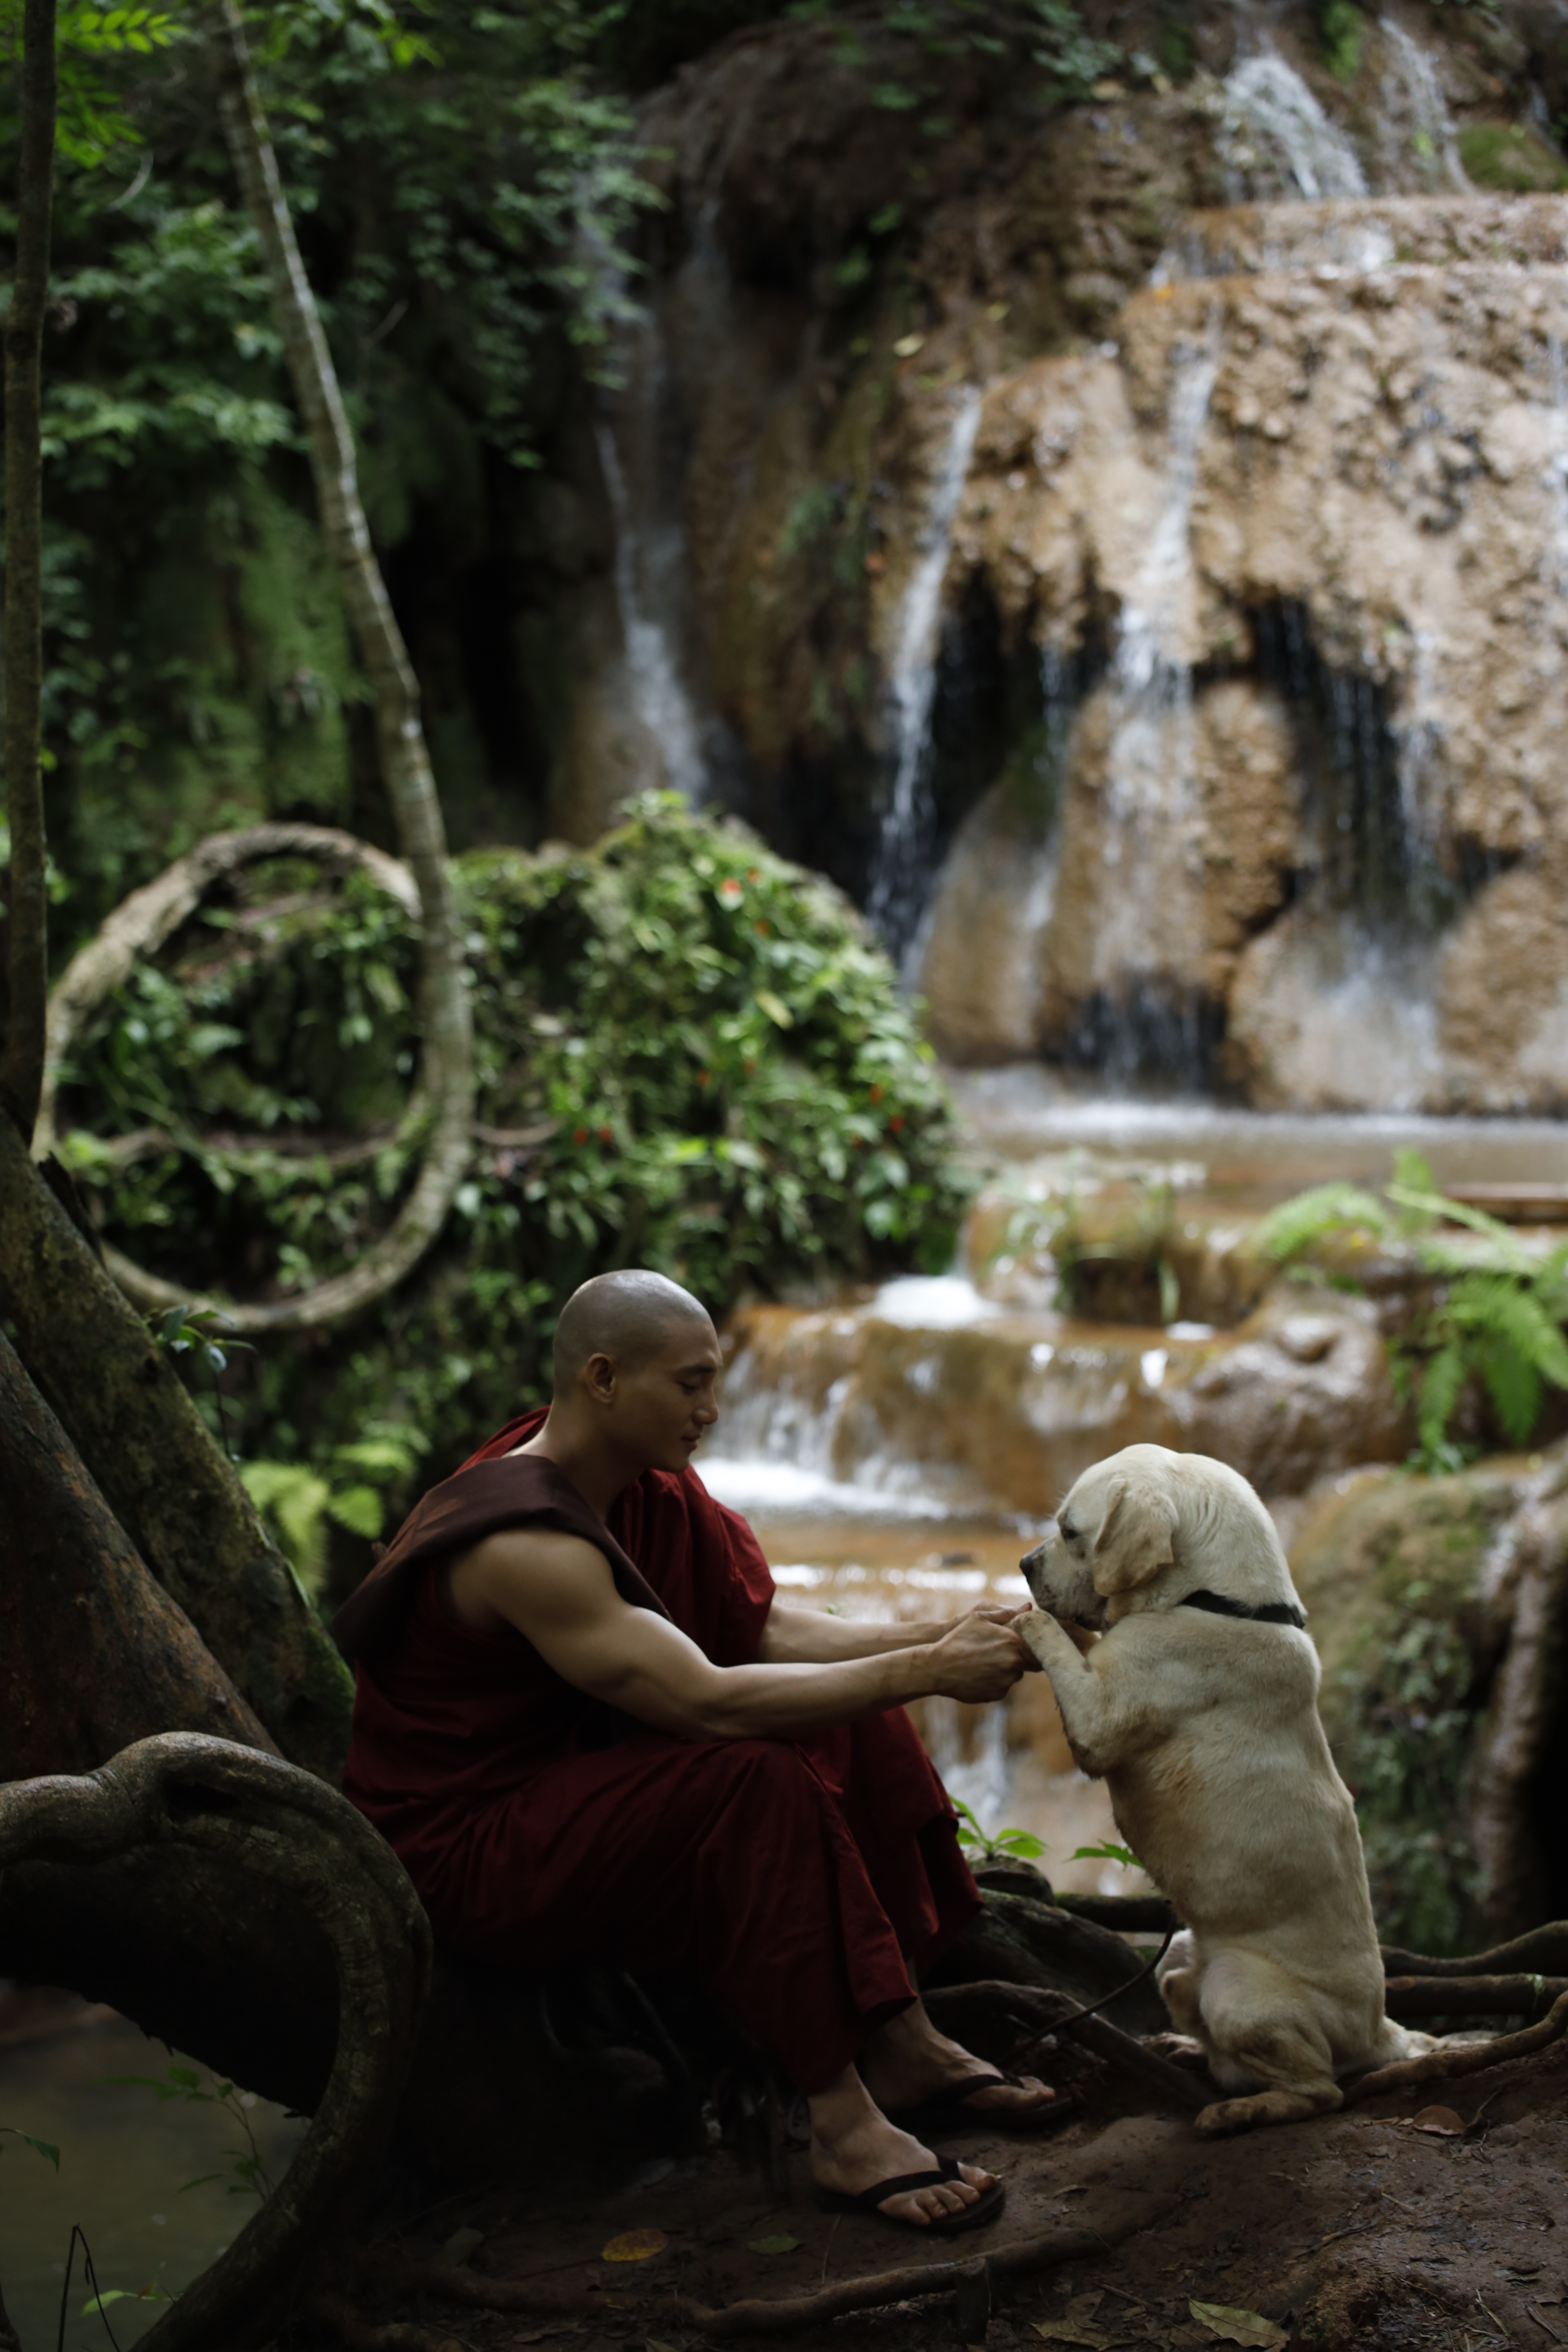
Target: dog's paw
pixel 1035 1628
pixel 1178 2050
pixel 1228 2116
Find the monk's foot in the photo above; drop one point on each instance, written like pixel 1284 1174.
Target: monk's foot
pixel 874 2149
pixel 908 2063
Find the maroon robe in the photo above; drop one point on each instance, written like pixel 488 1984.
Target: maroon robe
pixel 794 1877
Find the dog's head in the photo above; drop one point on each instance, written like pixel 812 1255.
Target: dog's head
pixel 1114 1533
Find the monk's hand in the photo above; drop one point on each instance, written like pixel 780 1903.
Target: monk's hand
pixel 978 1659
pixel 994 1616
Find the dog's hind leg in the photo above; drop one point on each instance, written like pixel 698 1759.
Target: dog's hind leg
pixel 1264 2040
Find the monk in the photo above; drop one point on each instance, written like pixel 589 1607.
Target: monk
pixel 590 1734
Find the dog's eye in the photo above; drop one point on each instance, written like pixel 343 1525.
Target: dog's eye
pixel 1067 1535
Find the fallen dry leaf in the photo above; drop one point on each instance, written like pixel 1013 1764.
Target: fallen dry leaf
pixel 462 2243
pixel 635 2246
pixel 1238 2327
pixel 1073 2331
pixel 1441 2121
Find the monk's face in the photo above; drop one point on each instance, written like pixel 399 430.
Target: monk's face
pixel 663 1405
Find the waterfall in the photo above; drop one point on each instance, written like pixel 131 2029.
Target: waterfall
pixel 1413 97
pixel 1147 804
pixel 650 568
pixel 899 872
pixel 1273 130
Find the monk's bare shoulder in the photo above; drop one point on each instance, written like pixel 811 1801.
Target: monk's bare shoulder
pixel 528 1576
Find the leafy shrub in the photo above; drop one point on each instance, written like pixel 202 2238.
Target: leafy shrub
pixel 690 1057
pixel 1495 1311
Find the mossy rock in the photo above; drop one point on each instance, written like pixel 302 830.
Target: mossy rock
pixel 1512 157
pixel 1392 1570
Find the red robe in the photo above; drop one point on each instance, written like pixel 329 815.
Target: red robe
pixel 794 1877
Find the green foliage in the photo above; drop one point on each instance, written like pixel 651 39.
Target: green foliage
pixel 43 2148
pixel 351 1492
pixel 1406 1758
pixel 1495 1308
pixel 1017 1846
pixel 246 2175
pixel 690 1057
pixel 1343 29
pixel 1108 1851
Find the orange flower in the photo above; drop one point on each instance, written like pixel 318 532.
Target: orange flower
pixel 704 1077
pixel 875 1093
pixel 607 1134
pixel 896 1122
pixel 761 926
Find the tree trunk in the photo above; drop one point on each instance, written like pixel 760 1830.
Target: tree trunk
pixel 187 1941
pixel 96 1654
pixel 176 1497
pixel 445 1015
pixel 24 1066
pixel 282 1827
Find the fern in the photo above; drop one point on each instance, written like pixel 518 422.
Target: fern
pixel 1497 1311
pixel 1328 1209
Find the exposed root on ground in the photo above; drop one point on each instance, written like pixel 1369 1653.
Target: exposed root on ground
pixel 756 2314
pixel 1446 2065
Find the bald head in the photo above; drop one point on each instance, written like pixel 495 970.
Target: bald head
pixel 632 1318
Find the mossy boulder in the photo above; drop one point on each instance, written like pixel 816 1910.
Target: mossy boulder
pixel 1411 1629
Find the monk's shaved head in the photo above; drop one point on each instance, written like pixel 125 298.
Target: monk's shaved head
pixel 630 1317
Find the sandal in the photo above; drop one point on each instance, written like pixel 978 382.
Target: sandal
pixel 950 2106
pixel 986 2207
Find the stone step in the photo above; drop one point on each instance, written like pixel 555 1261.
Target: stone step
pixel 1358 235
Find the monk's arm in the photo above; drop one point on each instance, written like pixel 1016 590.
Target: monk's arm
pixel 795 1636
pixel 558 1590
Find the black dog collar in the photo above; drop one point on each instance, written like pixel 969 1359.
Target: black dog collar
pixel 1272 1613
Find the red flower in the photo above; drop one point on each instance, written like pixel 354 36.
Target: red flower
pixel 896 1122
pixel 875 1094
pixel 607 1134
pixel 579 1135
pixel 704 1077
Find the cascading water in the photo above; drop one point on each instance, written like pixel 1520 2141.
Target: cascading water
pixel 1143 914
pixel 1414 119
pixel 1275 137
pixel 899 875
pixel 651 575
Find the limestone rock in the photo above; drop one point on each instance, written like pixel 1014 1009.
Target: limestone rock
pixel 980 966
pixel 1324 1018
pixel 1502 993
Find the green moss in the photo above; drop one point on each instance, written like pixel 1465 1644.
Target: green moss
pixel 1390 1576
pixel 1343 29
pixel 1512 157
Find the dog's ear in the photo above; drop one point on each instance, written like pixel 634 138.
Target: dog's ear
pixel 1135 1536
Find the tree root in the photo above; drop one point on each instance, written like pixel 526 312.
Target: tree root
pixel 756 2316
pixel 286 1826
pixel 363 2334
pixel 1518 1995
pixel 147 919
pixel 1544 1948
pixel 998 2007
pixel 1445 2065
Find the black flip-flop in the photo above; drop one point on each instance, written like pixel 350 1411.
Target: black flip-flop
pixel 950 2106
pixel 986 2207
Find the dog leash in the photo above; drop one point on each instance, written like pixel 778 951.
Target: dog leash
pixel 1093 2009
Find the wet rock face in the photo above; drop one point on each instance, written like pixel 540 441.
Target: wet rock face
pixel 1285 483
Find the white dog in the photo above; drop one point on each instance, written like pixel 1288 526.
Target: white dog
pixel 1199 1707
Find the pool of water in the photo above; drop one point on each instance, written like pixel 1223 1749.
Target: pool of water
pixel 126 2158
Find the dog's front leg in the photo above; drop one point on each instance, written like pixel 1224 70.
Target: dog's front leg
pixel 1090 1715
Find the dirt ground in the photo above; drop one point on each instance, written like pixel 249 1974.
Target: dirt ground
pixel 1364 2228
